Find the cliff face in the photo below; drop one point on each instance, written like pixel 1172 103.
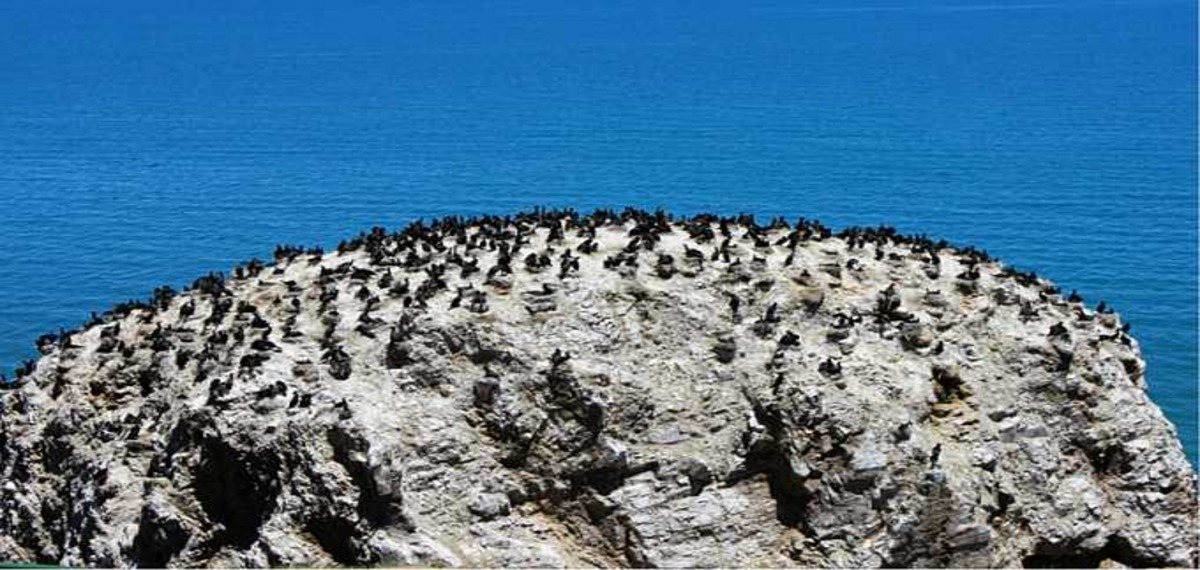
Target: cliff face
pixel 619 389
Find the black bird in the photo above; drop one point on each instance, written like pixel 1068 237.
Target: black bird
pixel 343 407
pixel 468 268
pixel 339 363
pixel 252 361
pixel 771 316
pixel 187 309
pixel 46 342
pixel 263 344
pixel 1028 311
pixel 363 294
pixel 559 358
pixel 830 367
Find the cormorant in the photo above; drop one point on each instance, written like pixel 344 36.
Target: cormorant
pixel 830 367
pixel 559 358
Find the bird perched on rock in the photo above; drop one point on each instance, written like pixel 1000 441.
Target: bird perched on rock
pixel 559 358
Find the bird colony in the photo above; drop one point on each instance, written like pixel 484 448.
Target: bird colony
pixel 622 388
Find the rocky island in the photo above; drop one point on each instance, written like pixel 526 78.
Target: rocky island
pixel 614 389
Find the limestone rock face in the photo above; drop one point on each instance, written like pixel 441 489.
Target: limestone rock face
pixel 619 389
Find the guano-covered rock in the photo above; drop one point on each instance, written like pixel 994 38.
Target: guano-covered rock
pixel 615 389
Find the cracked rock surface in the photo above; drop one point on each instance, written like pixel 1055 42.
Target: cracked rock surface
pixel 617 389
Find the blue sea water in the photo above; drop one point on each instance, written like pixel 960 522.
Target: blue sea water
pixel 149 142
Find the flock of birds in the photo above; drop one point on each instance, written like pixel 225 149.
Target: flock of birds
pixel 414 266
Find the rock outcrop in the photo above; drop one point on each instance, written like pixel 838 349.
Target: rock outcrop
pixel 618 389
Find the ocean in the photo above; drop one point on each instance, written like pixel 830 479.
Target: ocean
pixel 144 143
